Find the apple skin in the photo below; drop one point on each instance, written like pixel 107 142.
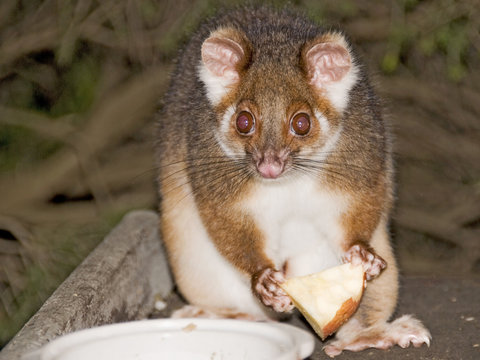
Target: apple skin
pixel 344 311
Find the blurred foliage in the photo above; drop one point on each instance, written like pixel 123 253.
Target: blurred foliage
pixel 56 252
pixel 20 146
pixel 447 28
pixel 80 82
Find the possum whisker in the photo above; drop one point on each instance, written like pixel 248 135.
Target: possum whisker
pixel 213 182
pixel 340 165
pixel 317 171
pixel 165 166
pixel 202 166
pixel 229 170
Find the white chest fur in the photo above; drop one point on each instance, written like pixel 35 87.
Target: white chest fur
pixel 301 224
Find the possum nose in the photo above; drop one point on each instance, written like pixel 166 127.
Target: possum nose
pixel 270 165
pixel 270 170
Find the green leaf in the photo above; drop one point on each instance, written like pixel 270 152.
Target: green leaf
pixel 390 62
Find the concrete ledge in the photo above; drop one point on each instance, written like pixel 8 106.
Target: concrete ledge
pixel 117 282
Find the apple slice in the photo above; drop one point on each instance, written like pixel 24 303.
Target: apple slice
pixel 329 298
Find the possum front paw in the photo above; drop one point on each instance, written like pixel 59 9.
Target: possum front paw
pixel 265 285
pixel 373 264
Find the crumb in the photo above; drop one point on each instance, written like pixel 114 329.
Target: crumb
pixel 190 327
pixel 160 305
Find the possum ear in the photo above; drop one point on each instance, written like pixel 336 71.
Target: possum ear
pixel 330 68
pixel 224 55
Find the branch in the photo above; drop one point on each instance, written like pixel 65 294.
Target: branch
pixel 116 117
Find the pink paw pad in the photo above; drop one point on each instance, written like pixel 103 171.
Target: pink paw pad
pixel 269 291
pixel 403 332
pixel 372 263
pixel 407 331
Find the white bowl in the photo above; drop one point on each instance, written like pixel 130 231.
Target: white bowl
pixel 181 339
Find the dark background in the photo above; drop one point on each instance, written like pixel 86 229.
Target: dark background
pixel 80 81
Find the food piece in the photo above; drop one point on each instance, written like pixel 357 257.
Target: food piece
pixel 329 298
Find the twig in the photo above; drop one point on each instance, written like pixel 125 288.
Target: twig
pixel 434 224
pixel 116 117
pixel 59 129
pixel 18 229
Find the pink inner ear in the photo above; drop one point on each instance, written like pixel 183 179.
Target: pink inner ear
pixel 327 62
pixel 221 56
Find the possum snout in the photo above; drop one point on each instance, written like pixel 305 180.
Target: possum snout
pixel 270 163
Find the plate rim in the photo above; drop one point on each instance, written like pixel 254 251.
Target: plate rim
pixel 299 340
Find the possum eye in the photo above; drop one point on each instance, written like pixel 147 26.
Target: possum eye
pixel 300 124
pixel 245 123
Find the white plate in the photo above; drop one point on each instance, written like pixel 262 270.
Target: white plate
pixel 181 339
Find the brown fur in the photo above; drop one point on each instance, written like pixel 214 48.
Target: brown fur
pixel 200 183
pixel 365 177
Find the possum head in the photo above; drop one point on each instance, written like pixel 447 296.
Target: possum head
pixel 277 104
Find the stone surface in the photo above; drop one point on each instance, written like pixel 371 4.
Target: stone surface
pixel 118 281
pixel 121 278
pixel 449 307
